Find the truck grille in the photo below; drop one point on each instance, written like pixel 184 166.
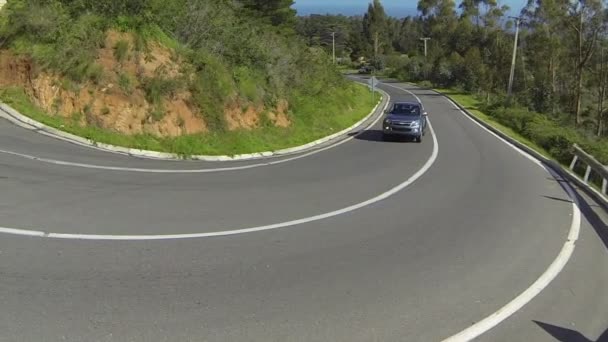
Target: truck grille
pixel 401 128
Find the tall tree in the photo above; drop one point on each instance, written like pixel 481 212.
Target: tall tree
pixel 586 19
pixel 599 81
pixel 470 9
pixel 317 30
pixel 546 47
pixel 440 20
pixel 277 12
pixel 375 27
pixel 488 15
pixel 409 34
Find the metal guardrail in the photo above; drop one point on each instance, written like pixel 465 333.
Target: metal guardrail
pixel 592 165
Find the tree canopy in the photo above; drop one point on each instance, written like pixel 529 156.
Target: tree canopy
pixel 277 12
pixel 560 62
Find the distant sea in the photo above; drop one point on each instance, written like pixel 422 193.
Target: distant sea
pixel 394 11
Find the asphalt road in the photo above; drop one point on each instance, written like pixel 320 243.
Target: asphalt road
pixel 472 232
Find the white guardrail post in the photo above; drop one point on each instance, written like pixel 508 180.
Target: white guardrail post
pixel 591 164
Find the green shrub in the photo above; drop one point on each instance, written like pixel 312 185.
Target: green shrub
pixel 87 109
pixel 139 43
pixel 557 140
pixel 158 87
pixel 249 84
pixel 72 48
pixel 76 50
pixel 76 117
pixel 425 84
pixel 180 122
pixel 94 73
pixel 212 87
pixel 123 23
pixel 57 103
pixel 153 33
pixel 541 130
pixel 125 83
pixel 397 61
pixel 121 50
pixel 517 118
pixel 158 113
pixel 596 147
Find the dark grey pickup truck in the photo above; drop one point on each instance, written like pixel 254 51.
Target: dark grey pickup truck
pixel 406 119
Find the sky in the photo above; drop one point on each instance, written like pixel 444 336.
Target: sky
pixel 395 8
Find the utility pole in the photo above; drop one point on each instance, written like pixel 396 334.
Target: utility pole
pixel 333 44
pixel 512 75
pixel 425 47
pixel 425 40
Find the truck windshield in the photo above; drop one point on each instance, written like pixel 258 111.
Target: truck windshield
pixel 406 109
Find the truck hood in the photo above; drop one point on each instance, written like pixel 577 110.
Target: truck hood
pixel 406 118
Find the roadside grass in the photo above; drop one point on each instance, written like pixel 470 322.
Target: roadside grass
pixel 311 118
pixel 472 104
pixel 349 71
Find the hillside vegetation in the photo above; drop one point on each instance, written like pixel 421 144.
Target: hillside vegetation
pixel 186 76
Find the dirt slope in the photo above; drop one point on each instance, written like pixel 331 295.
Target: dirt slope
pixel 118 101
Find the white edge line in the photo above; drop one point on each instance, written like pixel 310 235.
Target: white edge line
pixel 466 335
pixel 547 277
pixel 523 153
pixel 429 163
pixel 183 171
pixel 537 287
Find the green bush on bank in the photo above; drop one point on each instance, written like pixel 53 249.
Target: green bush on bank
pixel 548 135
pixel 316 118
pixel 232 54
pixel 552 136
pixel 226 55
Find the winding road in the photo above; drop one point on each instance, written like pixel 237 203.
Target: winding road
pixel 360 241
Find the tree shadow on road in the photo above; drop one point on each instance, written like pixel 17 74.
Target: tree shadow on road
pixel 593 218
pixel 589 207
pixel 586 205
pixel 568 335
pixel 558 199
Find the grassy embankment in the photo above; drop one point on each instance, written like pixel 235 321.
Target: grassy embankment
pixel 180 77
pixel 346 106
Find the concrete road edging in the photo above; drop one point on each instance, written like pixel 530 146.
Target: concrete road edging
pixel 21 120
